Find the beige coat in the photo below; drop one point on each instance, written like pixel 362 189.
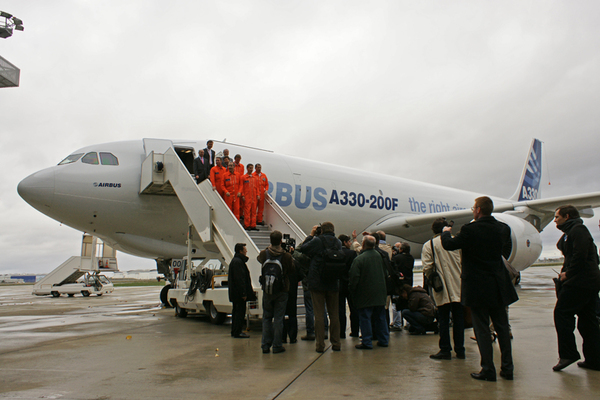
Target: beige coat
pixel 448 267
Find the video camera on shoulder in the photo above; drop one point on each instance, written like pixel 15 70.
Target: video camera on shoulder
pixel 288 244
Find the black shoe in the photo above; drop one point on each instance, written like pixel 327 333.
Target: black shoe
pixel 266 351
pixel 481 376
pixel 586 365
pixel 381 344
pixel 293 341
pixel 562 364
pixel 278 350
pixel 507 375
pixel 353 334
pixel 242 336
pixel 308 337
pixel 336 348
pixel 461 356
pixel 320 351
pixel 363 347
pixel 441 356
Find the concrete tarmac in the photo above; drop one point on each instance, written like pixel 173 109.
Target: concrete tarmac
pixel 124 346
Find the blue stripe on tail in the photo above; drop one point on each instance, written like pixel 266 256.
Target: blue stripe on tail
pixel 530 185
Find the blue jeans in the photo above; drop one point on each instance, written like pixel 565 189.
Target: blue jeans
pixel 416 320
pixel 273 314
pixel 382 333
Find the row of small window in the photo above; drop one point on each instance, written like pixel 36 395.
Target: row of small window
pixel 92 158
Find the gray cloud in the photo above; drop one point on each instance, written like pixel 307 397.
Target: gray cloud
pixel 444 92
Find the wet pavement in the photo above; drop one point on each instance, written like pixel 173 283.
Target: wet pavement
pixel 124 346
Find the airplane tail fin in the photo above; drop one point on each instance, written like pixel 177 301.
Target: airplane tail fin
pixel 529 185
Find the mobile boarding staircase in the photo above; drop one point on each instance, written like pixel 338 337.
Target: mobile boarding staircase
pixel 213 232
pixel 96 256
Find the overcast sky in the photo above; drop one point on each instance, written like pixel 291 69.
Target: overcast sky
pixel 444 92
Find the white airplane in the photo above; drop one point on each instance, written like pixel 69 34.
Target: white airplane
pixel 105 190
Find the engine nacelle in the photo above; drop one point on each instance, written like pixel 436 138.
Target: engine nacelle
pixel 526 241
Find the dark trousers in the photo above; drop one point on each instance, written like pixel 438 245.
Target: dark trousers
pixel 354 324
pixel 290 324
pixel 310 314
pixel 380 331
pixel 319 300
pixel 481 326
pixel 580 302
pixel 458 327
pixel 417 320
pixel 272 325
pixel 237 317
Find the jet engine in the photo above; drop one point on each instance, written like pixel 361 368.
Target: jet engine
pixel 526 241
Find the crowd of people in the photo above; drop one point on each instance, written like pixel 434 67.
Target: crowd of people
pixel 462 272
pixel 243 190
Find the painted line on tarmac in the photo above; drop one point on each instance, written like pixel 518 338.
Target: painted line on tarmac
pixel 300 374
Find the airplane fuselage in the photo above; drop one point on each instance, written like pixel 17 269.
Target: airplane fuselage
pixel 105 200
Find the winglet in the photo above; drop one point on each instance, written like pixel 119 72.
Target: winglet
pixel 529 186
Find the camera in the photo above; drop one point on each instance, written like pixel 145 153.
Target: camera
pixel 288 244
pixel 319 230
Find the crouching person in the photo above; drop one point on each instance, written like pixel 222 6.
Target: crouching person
pixel 277 265
pixel 421 310
pixel 368 289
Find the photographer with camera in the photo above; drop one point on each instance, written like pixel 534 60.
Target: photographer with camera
pixel 277 265
pixel 323 291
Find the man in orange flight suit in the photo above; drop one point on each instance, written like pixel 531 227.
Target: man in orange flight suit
pixel 250 194
pixel 232 190
pixel 239 169
pixel 263 188
pixel 216 177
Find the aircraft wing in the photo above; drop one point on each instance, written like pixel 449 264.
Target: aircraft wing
pixel 581 201
pixel 417 227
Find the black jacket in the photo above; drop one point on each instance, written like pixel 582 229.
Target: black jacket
pixel 313 247
pixel 485 280
pixel 200 170
pixel 207 157
pixel 581 258
pixel 404 263
pixel 240 284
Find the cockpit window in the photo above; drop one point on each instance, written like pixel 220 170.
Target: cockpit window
pixel 90 158
pixel 108 159
pixel 71 159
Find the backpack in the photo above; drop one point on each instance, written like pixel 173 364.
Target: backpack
pixel 271 278
pixel 334 263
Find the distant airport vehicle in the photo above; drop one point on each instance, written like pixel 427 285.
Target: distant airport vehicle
pixel 81 274
pixel 89 284
pixel 140 198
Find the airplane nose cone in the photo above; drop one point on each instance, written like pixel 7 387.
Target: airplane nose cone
pixel 38 189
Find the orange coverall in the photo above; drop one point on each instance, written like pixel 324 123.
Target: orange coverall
pixel 232 186
pixel 263 185
pixel 250 193
pixel 216 178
